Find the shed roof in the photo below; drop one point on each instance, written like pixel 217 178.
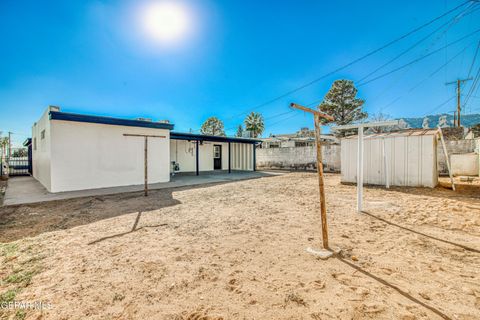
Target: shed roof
pixel 402 133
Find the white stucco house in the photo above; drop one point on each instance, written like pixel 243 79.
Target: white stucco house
pixel 78 152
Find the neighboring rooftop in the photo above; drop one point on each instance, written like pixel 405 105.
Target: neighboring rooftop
pixel 402 133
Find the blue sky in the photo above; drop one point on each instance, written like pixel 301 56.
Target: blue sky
pixel 89 57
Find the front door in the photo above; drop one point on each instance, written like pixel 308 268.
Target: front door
pixel 217 157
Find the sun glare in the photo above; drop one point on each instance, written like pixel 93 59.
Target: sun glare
pixel 166 21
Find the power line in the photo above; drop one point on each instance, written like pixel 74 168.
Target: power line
pixel 418 59
pixel 428 77
pixel 451 22
pixel 352 62
pixel 473 8
pixel 473 87
pixel 473 61
pixel 440 105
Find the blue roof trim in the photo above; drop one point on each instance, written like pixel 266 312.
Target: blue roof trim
pixel 57 115
pixel 202 137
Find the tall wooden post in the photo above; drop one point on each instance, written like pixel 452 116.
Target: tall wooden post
pixel 321 184
pixel 317 116
pixel 145 156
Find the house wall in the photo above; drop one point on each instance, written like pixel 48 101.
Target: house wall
pixel 242 156
pixel 184 152
pixel 411 161
pixel 41 149
pixel 299 158
pixel 89 155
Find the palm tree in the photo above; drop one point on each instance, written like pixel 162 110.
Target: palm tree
pixel 254 124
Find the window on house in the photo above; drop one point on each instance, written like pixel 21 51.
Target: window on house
pixel 42 134
pixel 34 143
pixel 216 152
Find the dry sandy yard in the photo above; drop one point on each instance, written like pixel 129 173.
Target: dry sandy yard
pixel 237 251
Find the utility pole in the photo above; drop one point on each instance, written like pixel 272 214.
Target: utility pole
pixel 459 83
pixel 9 144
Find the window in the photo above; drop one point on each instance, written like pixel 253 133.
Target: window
pixel 216 152
pixel 34 143
pixel 42 134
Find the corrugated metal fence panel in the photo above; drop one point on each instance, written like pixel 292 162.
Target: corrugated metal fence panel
pixel 348 160
pixel 411 160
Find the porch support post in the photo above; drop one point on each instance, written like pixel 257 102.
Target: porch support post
pixel 229 158
pixel 254 156
pixel 196 158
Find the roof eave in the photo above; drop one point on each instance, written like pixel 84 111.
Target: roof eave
pixel 64 116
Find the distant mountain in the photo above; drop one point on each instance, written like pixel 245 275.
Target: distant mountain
pixel 444 120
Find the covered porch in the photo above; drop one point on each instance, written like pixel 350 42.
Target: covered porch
pixel 195 153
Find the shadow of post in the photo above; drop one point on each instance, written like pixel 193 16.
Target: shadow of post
pixel 421 233
pixel 400 291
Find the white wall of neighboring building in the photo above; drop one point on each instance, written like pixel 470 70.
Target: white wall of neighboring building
pixel 89 155
pixel 465 164
pixel 41 145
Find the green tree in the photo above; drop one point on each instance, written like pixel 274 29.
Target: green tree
pixel 341 103
pixel 20 153
pixel 254 123
pixel 213 126
pixel 239 131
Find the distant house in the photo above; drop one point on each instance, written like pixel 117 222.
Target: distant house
pixel 77 151
pixel 302 138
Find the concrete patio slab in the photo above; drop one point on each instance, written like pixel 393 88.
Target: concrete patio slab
pixel 23 190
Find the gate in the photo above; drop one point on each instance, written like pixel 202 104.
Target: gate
pixel 18 163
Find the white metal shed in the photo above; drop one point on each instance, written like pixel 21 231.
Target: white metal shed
pixel 409 157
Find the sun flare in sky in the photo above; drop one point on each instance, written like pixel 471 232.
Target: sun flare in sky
pixel 166 21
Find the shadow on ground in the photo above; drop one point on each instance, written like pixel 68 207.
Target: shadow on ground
pixel 390 285
pixel 29 220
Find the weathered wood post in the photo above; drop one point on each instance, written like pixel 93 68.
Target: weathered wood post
pixel 317 116
pixel 145 156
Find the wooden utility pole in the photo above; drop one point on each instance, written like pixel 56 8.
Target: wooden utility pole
pixel 9 145
pixel 317 116
pixel 459 83
pixel 145 155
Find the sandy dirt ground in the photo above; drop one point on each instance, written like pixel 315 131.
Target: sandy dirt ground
pixel 238 251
